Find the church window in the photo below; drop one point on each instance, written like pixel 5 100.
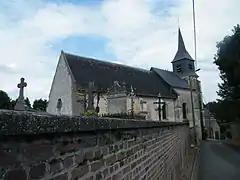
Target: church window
pixel 59 104
pixel 184 110
pixel 164 111
pixel 190 66
pixel 179 68
pixel 143 106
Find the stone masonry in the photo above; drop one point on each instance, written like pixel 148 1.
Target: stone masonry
pixel 42 146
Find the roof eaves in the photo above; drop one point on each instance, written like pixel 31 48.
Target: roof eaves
pixel 152 95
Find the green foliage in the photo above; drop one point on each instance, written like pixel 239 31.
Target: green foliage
pixel 40 104
pixel 28 102
pixel 222 111
pixel 13 103
pixel 90 113
pixel 5 102
pixel 228 61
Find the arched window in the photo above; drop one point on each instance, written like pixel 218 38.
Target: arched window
pixel 164 111
pixel 59 104
pixel 184 110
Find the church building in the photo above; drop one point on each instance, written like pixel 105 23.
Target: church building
pixel 155 94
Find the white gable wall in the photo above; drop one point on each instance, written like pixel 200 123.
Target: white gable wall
pixel 61 88
pixel 185 97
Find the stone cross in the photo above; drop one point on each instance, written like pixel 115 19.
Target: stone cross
pixel 20 104
pixel 116 86
pixel 159 103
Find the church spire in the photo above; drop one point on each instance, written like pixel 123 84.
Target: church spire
pixel 181 52
pixel 181 45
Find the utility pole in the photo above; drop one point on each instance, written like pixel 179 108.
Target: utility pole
pixel 200 108
pixel 193 113
pixel 209 129
pixel 194 31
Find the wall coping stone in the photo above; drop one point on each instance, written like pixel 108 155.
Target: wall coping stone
pixel 31 123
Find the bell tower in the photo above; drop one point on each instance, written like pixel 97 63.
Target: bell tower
pixel 183 64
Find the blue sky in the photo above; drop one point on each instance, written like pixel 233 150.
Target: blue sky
pixel 89 46
pixel 140 33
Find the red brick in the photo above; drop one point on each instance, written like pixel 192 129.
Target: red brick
pixel 37 171
pixel 117 176
pixel 89 155
pixel 68 162
pixel 61 177
pixel 8 159
pixel 79 158
pixel 80 171
pixel 68 147
pixel 111 159
pixel 55 166
pixel 37 152
pixel 97 165
pixel 17 174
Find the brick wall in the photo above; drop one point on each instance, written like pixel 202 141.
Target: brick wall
pixel 40 146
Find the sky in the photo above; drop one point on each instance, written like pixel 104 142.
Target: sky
pixel 141 33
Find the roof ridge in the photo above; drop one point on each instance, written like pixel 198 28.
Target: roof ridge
pixel 163 69
pixel 107 62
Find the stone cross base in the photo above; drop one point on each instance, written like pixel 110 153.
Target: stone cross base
pixel 20 105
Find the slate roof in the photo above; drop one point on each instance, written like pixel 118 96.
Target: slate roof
pixel 104 73
pixel 182 53
pixel 171 78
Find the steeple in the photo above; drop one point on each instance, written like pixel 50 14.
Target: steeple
pixel 181 52
pixel 183 63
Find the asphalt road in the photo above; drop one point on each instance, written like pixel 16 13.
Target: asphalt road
pixel 219 161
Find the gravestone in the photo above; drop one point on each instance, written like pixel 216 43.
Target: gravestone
pixel 90 96
pixel 117 98
pixel 20 104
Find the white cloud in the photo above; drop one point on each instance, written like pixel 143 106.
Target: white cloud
pixel 140 32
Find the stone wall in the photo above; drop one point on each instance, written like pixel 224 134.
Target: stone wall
pixel 42 146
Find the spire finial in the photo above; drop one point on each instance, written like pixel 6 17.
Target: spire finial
pixel 181 45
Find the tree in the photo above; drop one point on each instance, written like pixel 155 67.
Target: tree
pixel 4 100
pixel 228 61
pixel 220 111
pixel 28 102
pixel 13 103
pixel 40 104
